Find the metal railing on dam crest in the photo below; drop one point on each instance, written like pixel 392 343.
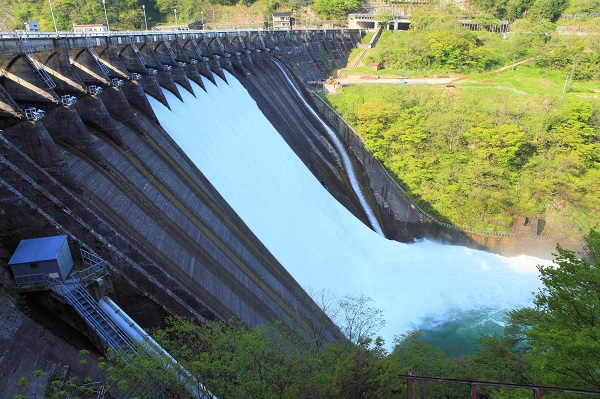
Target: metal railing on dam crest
pixel 44 67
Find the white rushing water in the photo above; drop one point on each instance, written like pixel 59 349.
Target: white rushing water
pixel 316 239
pixel 343 155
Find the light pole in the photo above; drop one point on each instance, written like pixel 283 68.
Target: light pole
pixel 202 16
pixel 145 20
pixel 176 25
pixel 105 14
pixel 53 19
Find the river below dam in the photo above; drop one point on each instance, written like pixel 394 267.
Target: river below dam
pixel 450 292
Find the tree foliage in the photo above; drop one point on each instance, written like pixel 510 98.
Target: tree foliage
pixel 563 332
pixel 121 14
pixel 412 354
pixel 549 10
pixel 481 158
pixel 270 361
pixel 358 319
pixel 334 9
pixel 433 45
pixel 556 343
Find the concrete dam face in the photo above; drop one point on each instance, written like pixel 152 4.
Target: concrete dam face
pixel 83 154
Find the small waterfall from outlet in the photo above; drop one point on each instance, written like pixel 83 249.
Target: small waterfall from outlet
pixel 343 155
pixel 451 291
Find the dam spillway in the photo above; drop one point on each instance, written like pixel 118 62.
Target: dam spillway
pixel 324 246
pixel 101 170
pixel 104 171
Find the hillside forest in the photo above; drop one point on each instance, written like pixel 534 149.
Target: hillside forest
pixel 500 143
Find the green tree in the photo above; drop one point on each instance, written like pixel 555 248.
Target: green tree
pixel 385 18
pixel 166 6
pixel 516 8
pixel 334 9
pixel 433 21
pixel 266 362
pixel 412 354
pixel 360 371
pixel 500 358
pixel 502 145
pixel 498 8
pixel 144 369
pixel 548 9
pixel 572 129
pixel 358 319
pixel 448 49
pixel 563 330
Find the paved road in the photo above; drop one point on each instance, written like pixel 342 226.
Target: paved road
pixel 407 81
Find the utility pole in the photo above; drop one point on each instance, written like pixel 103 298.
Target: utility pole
pixel 53 19
pixel 565 85
pixel 105 14
pixel 145 20
pixel 176 25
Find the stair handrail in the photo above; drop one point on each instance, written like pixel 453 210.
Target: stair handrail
pixel 136 50
pixel 171 52
pixel 56 286
pixel 96 269
pixel 26 52
pixel 121 335
pixel 10 101
pixel 89 46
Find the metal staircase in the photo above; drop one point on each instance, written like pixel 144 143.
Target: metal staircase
pixel 170 51
pixel 74 293
pixel 27 53
pixel 136 50
pixel 88 308
pixel 89 46
pixel 196 48
pixel 8 100
pixel 262 42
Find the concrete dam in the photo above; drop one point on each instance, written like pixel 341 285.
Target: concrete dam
pixel 83 155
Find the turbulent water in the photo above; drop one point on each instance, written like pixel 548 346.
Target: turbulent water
pixel 452 292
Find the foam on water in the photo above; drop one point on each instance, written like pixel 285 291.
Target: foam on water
pixel 315 238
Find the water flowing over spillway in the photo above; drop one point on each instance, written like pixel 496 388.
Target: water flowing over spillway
pixel 345 158
pixel 316 239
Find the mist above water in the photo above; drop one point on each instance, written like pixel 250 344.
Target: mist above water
pixel 319 242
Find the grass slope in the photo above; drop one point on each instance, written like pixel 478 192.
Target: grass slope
pixel 498 146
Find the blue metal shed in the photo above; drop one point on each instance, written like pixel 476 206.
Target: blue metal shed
pixel 47 255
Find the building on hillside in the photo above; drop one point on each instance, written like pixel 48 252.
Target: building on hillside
pixel 369 21
pixel 37 256
pixel 90 28
pixel 282 20
pixel 32 26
